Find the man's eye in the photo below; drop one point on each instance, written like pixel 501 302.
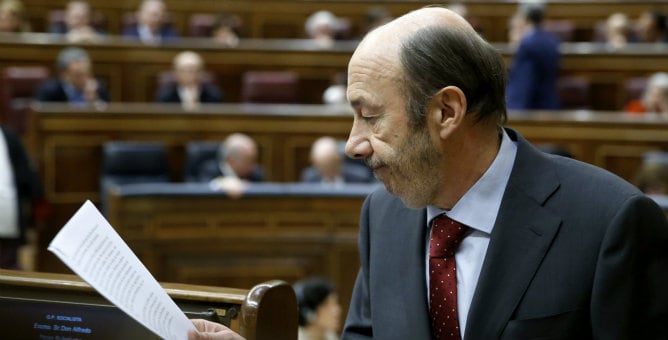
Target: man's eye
pixel 370 119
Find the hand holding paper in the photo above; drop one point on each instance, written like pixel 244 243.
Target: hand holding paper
pixel 90 246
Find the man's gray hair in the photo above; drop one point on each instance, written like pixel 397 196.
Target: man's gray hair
pixel 70 55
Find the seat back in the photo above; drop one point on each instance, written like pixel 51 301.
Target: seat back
pixel 634 88
pixel 201 24
pixel 197 154
pixel 574 92
pixel 270 87
pixel 17 88
pixel 128 162
pixel 564 29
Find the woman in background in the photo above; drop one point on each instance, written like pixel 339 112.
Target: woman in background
pixel 319 309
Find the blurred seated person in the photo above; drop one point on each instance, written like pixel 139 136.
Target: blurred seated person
pixel 319 309
pixel 11 17
pixel 321 26
pixel 235 165
pixel 226 30
pixel 652 178
pixel 617 30
pixel 151 26
pixel 654 98
pixel 329 166
pixel 652 27
pixel 75 83
pixel 77 26
pixel 20 190
pixel 189 88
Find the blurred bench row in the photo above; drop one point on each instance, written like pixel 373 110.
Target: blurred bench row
pixel 67 143
pixel 285 18
pixel 593 76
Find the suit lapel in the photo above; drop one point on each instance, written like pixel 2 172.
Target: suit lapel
pixel 417 308
pixel 408 275
pixel 522 235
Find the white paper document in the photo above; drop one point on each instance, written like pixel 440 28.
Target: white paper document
pixel 90 246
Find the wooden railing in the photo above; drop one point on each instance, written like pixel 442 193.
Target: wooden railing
pixel 189 233
pixel 285 18
pixel 66 143
pixel 32 302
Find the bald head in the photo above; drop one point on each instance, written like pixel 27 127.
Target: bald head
pixel 391 35
pixel 327 158
pixel 427 50
pixel 240 152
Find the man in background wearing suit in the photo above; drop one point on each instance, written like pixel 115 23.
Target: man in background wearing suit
pixel 534 69
pixel 549 247
pixel 151 26
pixel 75 83
pixel 189 87
pixel 328 165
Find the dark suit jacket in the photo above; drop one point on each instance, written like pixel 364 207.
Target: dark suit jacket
pixel 352 173
pixel 208 94
pixel 534 71
pixel 576 253
pixel 210 170
pixel 166 33
pixel 52 91
pixel 28 184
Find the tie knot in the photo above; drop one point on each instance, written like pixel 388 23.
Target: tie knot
pixel 446 234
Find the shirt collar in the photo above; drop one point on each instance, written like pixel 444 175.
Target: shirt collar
pixel 480 205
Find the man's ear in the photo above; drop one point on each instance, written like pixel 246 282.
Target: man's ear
pixel 448 108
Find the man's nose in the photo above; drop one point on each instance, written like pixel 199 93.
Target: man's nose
pixel 358 147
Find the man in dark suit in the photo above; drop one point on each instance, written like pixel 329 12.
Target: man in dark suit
pixel 75 83
pixel 548 247
pixel 534 69
pixel 236 158
pixel 553 248
pixel 189 87
pixel 20 188
pixel 151 26
pixel 328 165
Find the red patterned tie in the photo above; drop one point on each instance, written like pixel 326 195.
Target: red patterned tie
pixel 445 237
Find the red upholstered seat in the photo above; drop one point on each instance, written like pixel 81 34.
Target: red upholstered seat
pixel 17 88
pixel 564 29
pixel 574 92
pixel 270 87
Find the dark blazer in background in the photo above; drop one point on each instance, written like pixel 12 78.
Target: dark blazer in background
pixel 52 91
pixel 534 71
pixel 208 94
pixel 166 33
pixel 576 253
pixel 28 184
pixel 210 170
pixel 352 173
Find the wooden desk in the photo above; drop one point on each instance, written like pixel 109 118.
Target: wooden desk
pixel 67 144
pixel 191 234
pixel 267 311
pixel 131 69
pixel 285 18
